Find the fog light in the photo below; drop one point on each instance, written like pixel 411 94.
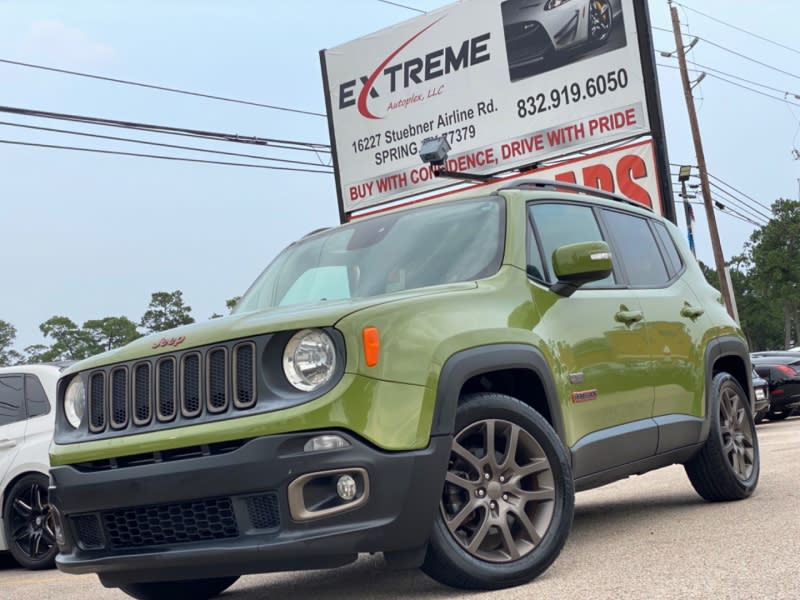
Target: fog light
pixel 325 442
pixel 346 488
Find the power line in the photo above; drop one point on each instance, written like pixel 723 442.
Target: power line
pixel 739 85
pixel 750 33
pixel 767 87
pixel 756 213
pixel 162 157
pixel 228 137
pixel 159 144
pixel 402 6
pixel 161 88
pixel 727 210
pixel 741 193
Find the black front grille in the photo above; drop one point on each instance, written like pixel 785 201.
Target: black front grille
pixel 178 523
pixel 264 511
pixel 119 398
pixel 89 532
pixel 142 394
pixel 217 380
pixel 166 389
pixel 245 375
pixel 97 402
pixel 526 42
pixel 190 380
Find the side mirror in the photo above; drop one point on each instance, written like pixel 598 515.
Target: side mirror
pixel 578 264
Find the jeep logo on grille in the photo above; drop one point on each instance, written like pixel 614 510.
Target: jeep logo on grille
pixel 164 342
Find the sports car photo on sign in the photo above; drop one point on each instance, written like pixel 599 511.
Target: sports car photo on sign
pixel 542 35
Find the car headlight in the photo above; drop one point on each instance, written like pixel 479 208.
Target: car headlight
pixel 551 4
pixel 309 359
pixel 75 402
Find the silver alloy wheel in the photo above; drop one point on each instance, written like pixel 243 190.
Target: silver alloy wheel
pixel 737 433
pixel 499 495
pixel 599 20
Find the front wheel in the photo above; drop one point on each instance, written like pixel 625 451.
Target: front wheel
pixel 196 589
pixel 727 466
pixel 29 530
pixel 508 499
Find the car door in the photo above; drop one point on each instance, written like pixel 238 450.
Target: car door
pixel 675 325
pixel 12 419
pixel 597 341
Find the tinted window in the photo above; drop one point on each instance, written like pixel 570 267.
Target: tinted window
pixel 673 257
pixel 12 399
pixel 535 267
pixel 562 224
pixel 35 398
pixel 640 254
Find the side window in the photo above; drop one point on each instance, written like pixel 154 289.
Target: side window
pixel 535 267
pixel 12 399
pixel 640 254
pixel 562 224
pixel 35 397
pixel 674 261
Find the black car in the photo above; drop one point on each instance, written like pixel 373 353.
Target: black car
pixel 761 401
pixel 782 370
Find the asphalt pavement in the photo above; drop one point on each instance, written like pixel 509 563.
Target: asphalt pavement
pixel 648 537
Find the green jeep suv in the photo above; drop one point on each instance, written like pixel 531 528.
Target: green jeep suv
pixel 431 382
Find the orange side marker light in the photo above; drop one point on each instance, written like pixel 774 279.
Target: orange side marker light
pixel 372 345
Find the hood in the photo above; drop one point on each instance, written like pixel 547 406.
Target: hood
pixel 232 327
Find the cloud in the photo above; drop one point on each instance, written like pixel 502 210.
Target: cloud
pixel 53 42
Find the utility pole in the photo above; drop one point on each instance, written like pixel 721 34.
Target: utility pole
pixel 719 261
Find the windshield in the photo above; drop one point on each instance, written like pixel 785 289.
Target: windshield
pixel 457 241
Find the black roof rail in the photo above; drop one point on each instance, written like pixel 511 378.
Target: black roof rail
pixel 583 189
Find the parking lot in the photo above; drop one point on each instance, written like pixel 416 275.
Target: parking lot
pixel 645 537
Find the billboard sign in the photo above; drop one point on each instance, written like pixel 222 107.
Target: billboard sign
pixel 630 170
pixel 509 83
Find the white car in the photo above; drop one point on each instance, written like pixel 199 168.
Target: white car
pixel 27 414
pixel 535 29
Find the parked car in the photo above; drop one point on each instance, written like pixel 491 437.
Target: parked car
pixel 27 401
pixel 433 382
pixel 782 370
pixel 534 30
pixel 761 397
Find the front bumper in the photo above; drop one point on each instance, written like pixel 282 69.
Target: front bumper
pixel 228 513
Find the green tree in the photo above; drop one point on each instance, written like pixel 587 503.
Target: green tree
pixel 112 332
pixel 166 310
pixel 35 353
pixel 8 333
pixel 230 303
pixel 773 259
pixel 70 341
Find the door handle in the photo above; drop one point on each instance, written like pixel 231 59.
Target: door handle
pixel 7 444
pixel 691 312
pixel 629 317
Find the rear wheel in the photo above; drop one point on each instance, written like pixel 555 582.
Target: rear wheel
pixel 727 467
pixel 507 504
pixel 29 531
pixel 196 589
pixel 601 21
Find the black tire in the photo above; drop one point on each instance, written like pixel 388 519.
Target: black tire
pixel 28 525
pixel 601 22
pixel 193 589
pixel 779 416
pixel 759 417
pixel 515 541
pixel 727 466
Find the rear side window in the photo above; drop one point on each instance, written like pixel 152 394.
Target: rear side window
pixel 12 399
pixel 674 262
pixel 562 224
pixel 35 397
pixel 640 254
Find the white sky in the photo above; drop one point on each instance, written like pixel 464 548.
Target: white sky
pixel 88 236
